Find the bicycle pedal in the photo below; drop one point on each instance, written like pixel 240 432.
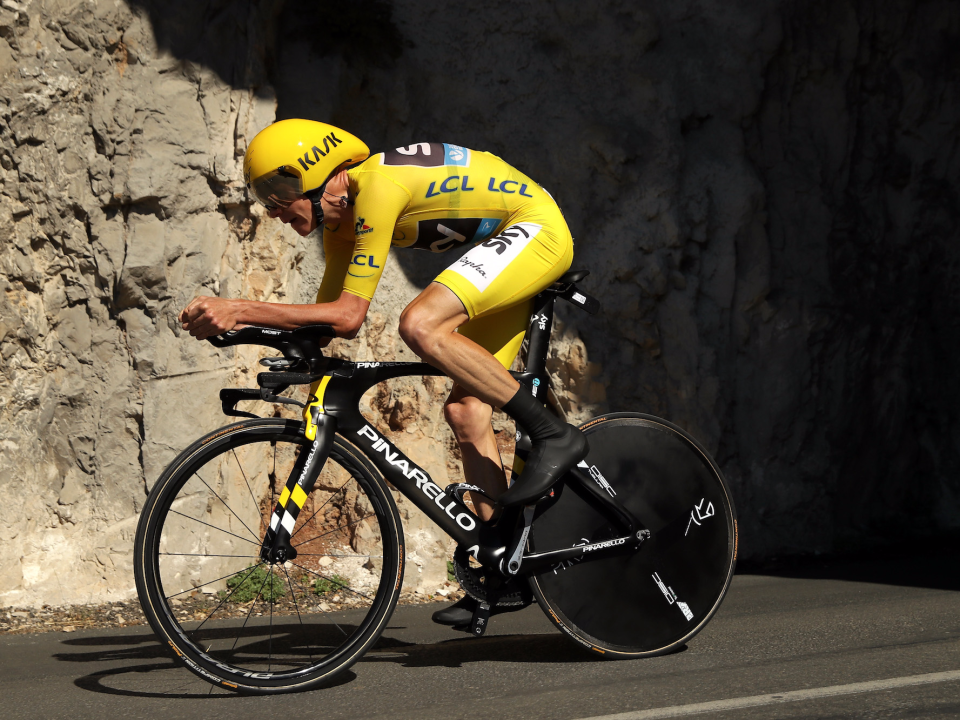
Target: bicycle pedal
pixel 457 490
pixel 481 619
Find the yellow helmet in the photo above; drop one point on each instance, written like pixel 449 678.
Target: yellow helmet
pixel 290 158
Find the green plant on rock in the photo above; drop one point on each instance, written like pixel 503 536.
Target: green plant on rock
pixel 324 585
pixel 245 585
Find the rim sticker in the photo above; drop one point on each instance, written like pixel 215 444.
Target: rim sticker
pixel 700 513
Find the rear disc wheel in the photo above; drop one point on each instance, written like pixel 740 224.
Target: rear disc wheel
pixel 651 601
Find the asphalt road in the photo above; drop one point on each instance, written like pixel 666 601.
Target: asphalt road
pixel 871 640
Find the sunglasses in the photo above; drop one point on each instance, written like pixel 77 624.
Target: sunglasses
pixel 278 188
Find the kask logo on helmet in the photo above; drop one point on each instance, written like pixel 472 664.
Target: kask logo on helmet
pixel 329 142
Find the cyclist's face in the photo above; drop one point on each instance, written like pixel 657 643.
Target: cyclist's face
pixel 298 215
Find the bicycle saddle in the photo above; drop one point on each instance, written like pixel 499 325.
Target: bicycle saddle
pixel 573 276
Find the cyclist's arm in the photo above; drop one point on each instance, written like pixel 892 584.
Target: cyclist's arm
pixel 337 253
pixel 380 201
pixel 349 281
pixel 208 316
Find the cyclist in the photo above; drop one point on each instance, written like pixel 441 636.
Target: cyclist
pixel 469 322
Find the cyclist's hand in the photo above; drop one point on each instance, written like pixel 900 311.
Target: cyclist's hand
pixel 208 316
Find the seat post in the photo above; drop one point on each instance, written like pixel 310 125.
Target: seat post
pixel 538 334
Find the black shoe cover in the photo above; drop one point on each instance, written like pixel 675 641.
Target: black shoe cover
pixel 460 613
pixel 548 460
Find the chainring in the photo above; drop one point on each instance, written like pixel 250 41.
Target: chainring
pixel 475 582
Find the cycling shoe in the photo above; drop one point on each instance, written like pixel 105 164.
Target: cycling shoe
pixel 460 614
pixel 548 460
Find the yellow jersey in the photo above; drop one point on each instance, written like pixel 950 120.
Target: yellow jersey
pixel 429 196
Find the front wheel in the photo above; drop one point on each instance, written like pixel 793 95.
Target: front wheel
pixel 651 601
pixel 246 624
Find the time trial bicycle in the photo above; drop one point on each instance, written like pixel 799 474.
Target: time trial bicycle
pixel 270 555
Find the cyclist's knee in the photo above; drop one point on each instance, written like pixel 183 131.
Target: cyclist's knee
pixel 469 417
pixel 417 331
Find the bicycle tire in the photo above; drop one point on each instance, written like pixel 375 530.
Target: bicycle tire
pixel 243 624
pixel 654 600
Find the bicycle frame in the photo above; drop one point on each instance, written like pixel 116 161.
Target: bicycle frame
pixel 333 408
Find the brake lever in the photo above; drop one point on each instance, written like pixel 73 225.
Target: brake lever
pixel 229 397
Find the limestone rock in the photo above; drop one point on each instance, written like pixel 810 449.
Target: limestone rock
pixel 764 193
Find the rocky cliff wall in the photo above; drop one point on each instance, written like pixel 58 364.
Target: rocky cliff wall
pixel 765 193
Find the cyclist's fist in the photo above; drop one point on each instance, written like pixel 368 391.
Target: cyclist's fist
pixel 208 316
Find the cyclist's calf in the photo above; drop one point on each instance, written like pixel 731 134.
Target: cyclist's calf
pixel 468 416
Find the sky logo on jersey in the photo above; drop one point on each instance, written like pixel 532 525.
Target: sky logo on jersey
pixel 484 263
pixel 456 155
pixel 427 155
pixel 487 227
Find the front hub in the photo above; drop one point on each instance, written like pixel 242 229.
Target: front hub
pixel 279 551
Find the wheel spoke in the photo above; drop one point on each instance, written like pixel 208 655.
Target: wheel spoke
pixel 209 582
pixel 296 606
pixel 339 527
pixel 239 537
pixel 212 555
pixel 332 495
pixel 249 612
pixel 270 639
pixel 226 599
pixel 239 519
pixel 331 580
pixel 252 497
pixel 306 591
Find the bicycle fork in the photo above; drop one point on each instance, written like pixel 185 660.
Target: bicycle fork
pixel 276 546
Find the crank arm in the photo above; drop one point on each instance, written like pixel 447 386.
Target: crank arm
pixel 624 545
pixel 519 543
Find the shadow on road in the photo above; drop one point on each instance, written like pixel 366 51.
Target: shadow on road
pixel 147 670
pixel 458 652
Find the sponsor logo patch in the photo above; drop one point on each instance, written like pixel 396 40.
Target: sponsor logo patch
pixel 442 234
pixel 482 265
pixel 427 155
pixel 362 228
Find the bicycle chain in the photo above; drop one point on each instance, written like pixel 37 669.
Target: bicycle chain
pixel 474 582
